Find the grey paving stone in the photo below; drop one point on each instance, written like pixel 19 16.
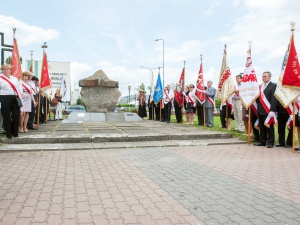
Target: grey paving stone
pixel 206 191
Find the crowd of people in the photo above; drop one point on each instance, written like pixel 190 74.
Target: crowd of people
pixel 16 117
pixel 264 135
pixel 18 103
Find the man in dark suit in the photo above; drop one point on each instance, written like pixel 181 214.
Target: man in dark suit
pixel 266 105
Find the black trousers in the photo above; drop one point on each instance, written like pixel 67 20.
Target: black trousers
pixel 200 114
pixel 266 134
pixel 178 112
pixel 254 130
pixel 282 119
pixel 223 116
pixel 168 110
pixel 11 115
pixel 157 111
pixel 32 113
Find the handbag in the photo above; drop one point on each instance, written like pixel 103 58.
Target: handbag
pixel 19 101
pixel 54 101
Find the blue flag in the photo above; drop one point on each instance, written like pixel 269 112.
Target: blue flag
pixel 158 90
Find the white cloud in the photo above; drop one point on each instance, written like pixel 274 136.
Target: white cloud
pixel 25 33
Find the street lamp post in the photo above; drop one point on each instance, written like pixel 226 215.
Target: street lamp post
pixel 163 59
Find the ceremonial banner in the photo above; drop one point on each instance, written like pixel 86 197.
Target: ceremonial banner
pixel 63 89
pixel 158 91
pixel 291 73
pixel 225 86
pixel 45 79
pixel 16 70
pixel 200 88
pixel 287 92
pixel 249 88
pixel 178 93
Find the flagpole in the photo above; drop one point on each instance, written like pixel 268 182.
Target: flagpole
pixel 203 108
pixel 293 131
pixel 160 119
pixel 182 90
pixel 249 109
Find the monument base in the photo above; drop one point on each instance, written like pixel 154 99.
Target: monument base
pixel 80 117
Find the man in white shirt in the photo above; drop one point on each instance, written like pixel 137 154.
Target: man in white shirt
pixel 168 102
pixel 237 105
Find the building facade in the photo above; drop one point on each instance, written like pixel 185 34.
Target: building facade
pixel 56 71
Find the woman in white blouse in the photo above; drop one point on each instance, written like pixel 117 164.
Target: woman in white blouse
pixel 9 90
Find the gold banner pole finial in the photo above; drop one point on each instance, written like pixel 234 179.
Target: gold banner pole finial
pixel 250 44
pixel 292 27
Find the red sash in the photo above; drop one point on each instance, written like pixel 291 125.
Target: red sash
pixel 26 88
pixel 168 97
pixel 211 101
pixel 264 101
pixel 191 100
pixel 12 85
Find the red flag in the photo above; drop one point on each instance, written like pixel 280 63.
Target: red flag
pixel 15 61
pixel 178 93
pixel 200 88
pixel 291 74
pixel 45 79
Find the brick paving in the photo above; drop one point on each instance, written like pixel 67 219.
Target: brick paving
pixel 236 184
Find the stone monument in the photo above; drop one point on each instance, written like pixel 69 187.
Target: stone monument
pixel 99 93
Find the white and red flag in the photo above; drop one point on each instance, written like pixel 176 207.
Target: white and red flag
pixel 225 86
pixel 249 88
pixel 178 93
pixel 45 78
pixel 200 88
pixel 287 90
pixel 16 70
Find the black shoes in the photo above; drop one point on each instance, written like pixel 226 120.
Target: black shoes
pixel 279 145
pixel 270 146
pixel 31 128
pixel 261 144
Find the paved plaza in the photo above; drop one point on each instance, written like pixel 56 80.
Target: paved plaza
pixel 214 184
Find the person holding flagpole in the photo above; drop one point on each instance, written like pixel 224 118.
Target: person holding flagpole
pixel 210 104
pixel 168 103
pixel 266 106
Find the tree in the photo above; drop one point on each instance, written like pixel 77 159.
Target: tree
pixel 79 101
pixel 8 60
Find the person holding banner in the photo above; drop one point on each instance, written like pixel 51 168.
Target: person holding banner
pixel 178 101
pixel 168 103
pixel 266 106
pixel 9 91
pixel 191 104
pixel 237 105
pixel 210 104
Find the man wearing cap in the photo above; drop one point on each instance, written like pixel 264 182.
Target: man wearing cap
pixel 168 103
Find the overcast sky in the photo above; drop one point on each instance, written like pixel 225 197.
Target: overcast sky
pixel 119 36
